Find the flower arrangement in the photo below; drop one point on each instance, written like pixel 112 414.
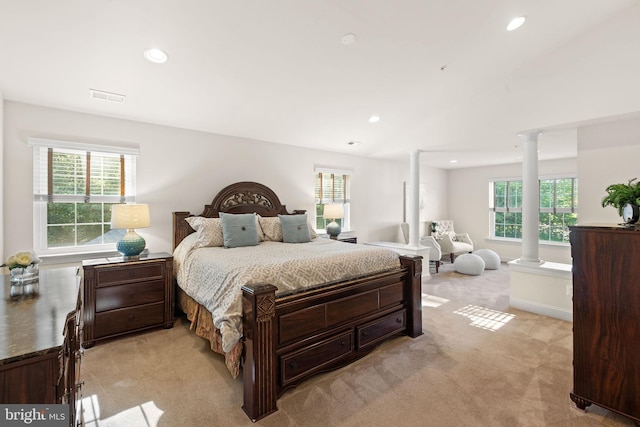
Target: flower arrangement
pixel 21 259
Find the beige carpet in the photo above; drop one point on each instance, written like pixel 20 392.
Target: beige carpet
pixel 479 363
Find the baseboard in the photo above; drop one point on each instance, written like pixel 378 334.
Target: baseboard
pixel 545 310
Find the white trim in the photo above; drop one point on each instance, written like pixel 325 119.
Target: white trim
pixel 334 171
pixel 545 310
pixel 102 148
pixel 552 269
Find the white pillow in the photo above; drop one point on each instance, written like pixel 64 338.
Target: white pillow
pixel 209 231
pixel 271 228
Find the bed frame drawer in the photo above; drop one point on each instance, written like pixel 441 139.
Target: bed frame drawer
pixel 114 297
pixel 315 357
pixel 127 319
pixel 373 332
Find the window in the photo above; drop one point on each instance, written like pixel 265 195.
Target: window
pixel 74 186
pixel 332 187
pixel 558 208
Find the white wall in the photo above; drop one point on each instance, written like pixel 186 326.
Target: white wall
pixel 600 167
pixel 469 205
pixel 180 169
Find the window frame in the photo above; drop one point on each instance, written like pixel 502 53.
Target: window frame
pixel 322 199
pixel 43 189
pixel 496 208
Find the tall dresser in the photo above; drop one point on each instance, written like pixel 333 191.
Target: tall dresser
pixel 606 318
pixel 40 342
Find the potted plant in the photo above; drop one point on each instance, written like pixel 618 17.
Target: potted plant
pixel 618 195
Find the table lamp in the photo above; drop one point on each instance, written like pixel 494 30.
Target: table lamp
pixel 333 212
pixel 130 217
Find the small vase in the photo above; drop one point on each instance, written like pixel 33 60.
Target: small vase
pixel 25 275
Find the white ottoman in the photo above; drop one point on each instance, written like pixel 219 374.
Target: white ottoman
pixel 469 264
pixel 490 258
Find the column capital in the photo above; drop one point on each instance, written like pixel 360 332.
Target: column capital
pixel 530 135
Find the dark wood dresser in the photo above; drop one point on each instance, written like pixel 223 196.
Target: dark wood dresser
pixel 126 296
pixel 40 342
pixel 606 318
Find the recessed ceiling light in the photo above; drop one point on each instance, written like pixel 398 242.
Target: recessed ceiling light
pixel 348 38
pixel 453 161
pixel 516 23
pixel 353 143
pixel 156 55
pixel 374 119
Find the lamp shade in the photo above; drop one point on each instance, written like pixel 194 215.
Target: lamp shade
pixel 130 216
pixel 333 211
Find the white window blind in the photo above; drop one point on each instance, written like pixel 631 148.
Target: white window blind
pixel 60 172
pixel 332 186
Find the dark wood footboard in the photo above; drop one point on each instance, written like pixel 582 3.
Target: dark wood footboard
pixel 290 338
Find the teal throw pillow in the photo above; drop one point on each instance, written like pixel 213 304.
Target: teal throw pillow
pixel 239 230
pixel 294 228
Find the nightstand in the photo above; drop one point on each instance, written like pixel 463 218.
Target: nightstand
pixel 123 296
pixel 348 239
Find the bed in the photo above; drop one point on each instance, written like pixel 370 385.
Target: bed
pixel 289 334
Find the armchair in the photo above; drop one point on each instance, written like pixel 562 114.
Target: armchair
pixel 452 243
pixel 435 252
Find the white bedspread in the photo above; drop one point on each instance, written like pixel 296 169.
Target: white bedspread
pixel 214 276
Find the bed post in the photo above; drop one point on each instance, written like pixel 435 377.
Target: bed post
pixel 259 368
pixel 413 290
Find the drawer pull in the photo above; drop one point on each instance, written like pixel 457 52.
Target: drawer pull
pixel 293 365
pixel 131 317
pixel 343 343
pixel 398 320
pixel 365 333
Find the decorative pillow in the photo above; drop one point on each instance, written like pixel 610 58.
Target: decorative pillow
pixel 239 230
pixel 209 231
pixel 294 228
pixel 271 228
pixel 312 232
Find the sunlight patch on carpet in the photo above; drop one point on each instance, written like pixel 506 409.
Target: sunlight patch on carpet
pixel 485 318
pixel 143 415
pixel 433 301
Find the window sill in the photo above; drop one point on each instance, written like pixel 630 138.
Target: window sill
pixel 77 258
pixel 519 242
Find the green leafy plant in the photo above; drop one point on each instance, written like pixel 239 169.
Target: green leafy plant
pixel 620 194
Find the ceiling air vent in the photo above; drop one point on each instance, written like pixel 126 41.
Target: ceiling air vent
pixel 106 96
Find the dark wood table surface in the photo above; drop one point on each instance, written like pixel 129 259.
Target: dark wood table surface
pixel 33 324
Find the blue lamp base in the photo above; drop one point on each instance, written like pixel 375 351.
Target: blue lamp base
pixel 131 245
pixel 333 229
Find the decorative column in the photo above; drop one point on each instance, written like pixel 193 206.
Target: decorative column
pixel 530 199
pixel 414 199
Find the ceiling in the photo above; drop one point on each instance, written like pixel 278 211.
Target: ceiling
pixel 444 75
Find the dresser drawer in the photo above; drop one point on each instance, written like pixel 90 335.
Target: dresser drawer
pixel 128 319
pixel 373 332
pixel 113 297
pixel 313 358
pixel 129 273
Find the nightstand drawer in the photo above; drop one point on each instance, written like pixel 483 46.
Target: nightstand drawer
pixel 128 274
pixel 114 297
pixel 127 319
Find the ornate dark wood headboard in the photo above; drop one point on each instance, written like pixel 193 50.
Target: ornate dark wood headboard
pixel 238 198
